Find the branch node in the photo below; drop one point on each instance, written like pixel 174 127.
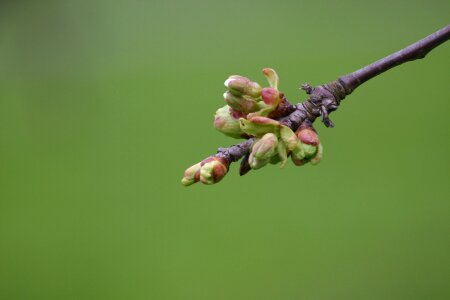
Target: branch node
pixel 307 88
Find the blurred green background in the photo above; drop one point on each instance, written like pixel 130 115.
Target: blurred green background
pixel 103 104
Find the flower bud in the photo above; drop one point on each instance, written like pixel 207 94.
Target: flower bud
pixel 240 85
pixel 263 150
pixel 271 96
pixel 265 147
pixel 256 163
pixel 309 140
pixel 308 136
pixel 272 77
pixel 213 169
pixel 225 122
pixel 305 153
pixel 242 103
pixel 191 175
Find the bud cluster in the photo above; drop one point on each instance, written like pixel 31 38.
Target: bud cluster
pixel 247 114
pixel 275 142
pixel 245 99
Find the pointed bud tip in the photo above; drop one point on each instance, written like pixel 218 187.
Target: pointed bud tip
pixel 191 175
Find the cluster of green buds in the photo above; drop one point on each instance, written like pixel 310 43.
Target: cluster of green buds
pixel 247 114
pixel 208 171
pixel 246 98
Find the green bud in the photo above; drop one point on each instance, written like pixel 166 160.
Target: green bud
pixel 257 163
pixel 213 169
pixel 242 103
pixel 309 148
pixel 259 126
pixel 302 155
pixel 272 77
pixel 266 147
pixel 225 122
pixel 240 85
pixel 191 175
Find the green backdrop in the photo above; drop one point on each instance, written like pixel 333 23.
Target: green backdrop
pixel 103 104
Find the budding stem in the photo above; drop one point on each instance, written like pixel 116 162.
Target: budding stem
pixel 326 98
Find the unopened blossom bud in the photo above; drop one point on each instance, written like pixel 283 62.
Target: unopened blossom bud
pixel 309 148
pixel 213 169
pixel 226 122
pixel 308 136
pixel 309 140
pixel 300 160
pixel 240 85
pixel 272 77
pixel 191 175
pixel 263 150
pixel 242 103
pixel 256 163
pixel 271 96
pixel 265 147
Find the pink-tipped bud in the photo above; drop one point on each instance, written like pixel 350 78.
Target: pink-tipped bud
pixel 244 103
pixel 240 85
pixel 213 169
pixel 227 121
pixel 191 175
pixel 271 96
pixel 266 147
pixel 263 150
pixel 309 148
pixel 308 136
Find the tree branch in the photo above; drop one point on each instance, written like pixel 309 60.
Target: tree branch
pixel 415 51
pixel 326 98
